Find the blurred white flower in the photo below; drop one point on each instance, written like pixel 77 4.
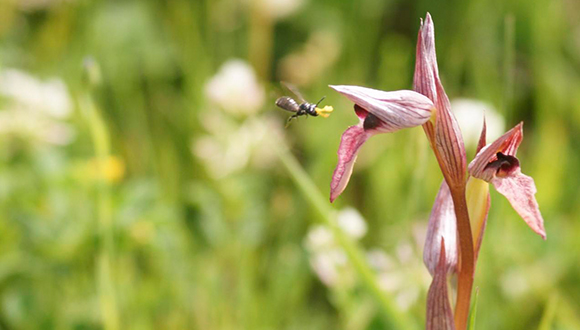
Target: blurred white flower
pixel 319 238
pixel 230 148
pixel 278 9
pixel 514 283
pixel 470 113
pixel 403 276
pixel 35 109
pixel 50 97
pixel 329 266
pixel 235 88
pixel 23 124
pixel 327 258
pixel 352 223
pixel 379 260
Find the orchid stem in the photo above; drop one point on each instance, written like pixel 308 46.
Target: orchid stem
pixel 352 249
pixel 466 271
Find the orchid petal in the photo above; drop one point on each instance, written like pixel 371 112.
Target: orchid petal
pixel 439 313
pixel 351 141
pixel 482 137
pixel 426 60
pixel 506 144
pixel 442 225
pixel 520 189
pixel 444 134
pixel 448 139
pixel 396 110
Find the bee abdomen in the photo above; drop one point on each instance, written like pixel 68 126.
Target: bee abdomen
pixel 288 104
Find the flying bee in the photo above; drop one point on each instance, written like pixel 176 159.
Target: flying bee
pixel 304 108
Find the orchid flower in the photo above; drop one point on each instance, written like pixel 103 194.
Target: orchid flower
pixel 429 106
pixel 463 201
pixel 497 164
pixel 378 112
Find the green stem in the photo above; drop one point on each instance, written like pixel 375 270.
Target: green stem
pixel 352 249
pixel 260 39
pixel 550 310
pixel 104 272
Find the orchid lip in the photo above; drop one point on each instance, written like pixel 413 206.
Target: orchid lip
pixel 504 165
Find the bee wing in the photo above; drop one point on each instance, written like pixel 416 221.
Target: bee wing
pixel 294 90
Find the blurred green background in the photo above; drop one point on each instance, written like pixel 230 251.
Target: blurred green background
pixel 147 180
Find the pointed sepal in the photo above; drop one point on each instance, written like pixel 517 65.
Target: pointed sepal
pixel 439 312
pixel 442 225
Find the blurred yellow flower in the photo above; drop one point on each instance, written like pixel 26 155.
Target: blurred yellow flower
pixel 111 169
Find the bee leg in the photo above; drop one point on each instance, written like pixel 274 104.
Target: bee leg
pixel 290 120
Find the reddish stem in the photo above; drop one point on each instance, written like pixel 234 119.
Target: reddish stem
pixel 467 261
pixel 466 264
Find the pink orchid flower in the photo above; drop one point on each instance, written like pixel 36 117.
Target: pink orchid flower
pixel 497 164
pixel 429 106
pixel 463 201
pixel 378 112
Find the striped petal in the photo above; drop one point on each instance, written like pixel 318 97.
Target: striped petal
pixel 443 133
pixel 395 110
pixel 352 139
pixel 426 61
pixel 439 313
pixel 520 191
pixel 442 225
